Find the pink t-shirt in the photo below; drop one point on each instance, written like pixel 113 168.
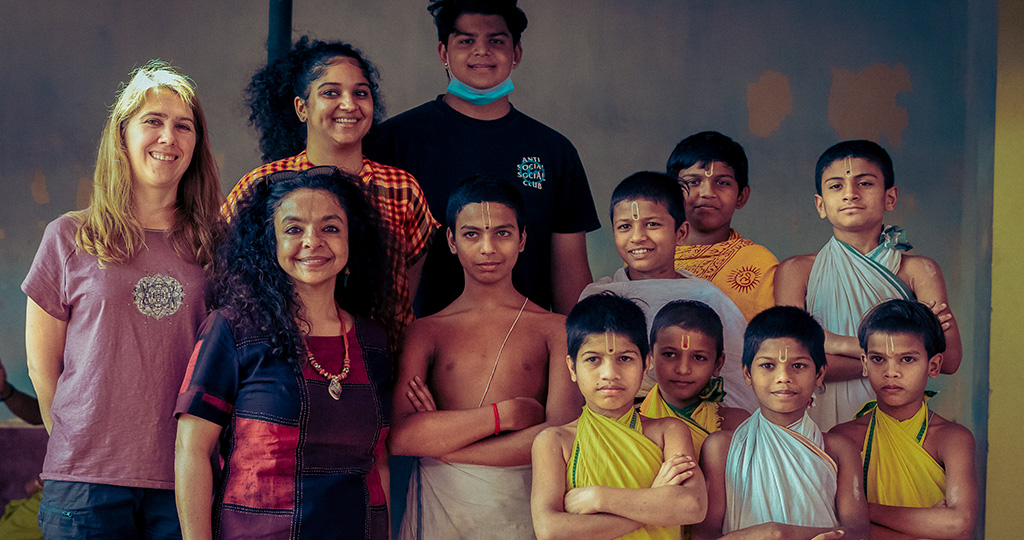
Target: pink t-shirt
pixel 130 332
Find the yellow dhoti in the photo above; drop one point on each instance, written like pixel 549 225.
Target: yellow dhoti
pixel 616 453
pixel 898 470
pixel 702 421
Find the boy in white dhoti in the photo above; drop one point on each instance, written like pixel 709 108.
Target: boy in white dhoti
pixel 478 381
pixel 777 475
pixel 862 265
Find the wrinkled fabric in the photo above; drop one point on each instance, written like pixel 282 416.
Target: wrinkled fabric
pixel 842 286
pixel 898 470
pixel 454 500
pixel 616 453
pixel 779 474
pixel 742 268
pixel 702 421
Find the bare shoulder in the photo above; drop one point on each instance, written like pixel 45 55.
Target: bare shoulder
pixel 946 435
pixel 716 446
pixel 540 318
pixel 920 268
pixel 855 429
pixel 919 263
pixel 840 447
pixel 798 264
pixel 421 332
pixel 791 280
pixel 732 417
pixel 557 437
pixel 657 428
pixel 446 323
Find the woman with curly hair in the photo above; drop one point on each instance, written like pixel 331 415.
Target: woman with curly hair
pixel 292 373
pixel 115 295
pixel 314 106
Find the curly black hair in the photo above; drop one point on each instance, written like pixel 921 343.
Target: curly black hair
pixel 256 294
pixel 271 93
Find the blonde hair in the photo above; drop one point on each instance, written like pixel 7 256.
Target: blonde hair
pixel 109 228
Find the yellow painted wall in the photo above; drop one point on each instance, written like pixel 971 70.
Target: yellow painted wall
pixel 1006 369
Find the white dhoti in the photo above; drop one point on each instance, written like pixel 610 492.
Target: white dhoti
pixel 453 500
pixel 843 285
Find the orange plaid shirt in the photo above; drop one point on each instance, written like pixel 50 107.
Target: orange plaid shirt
pixel 398 198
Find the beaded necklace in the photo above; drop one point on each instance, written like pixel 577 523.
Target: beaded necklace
pixel 335 387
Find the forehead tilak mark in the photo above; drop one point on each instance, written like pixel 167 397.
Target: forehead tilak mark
pixel 487 215
pixel 710 170
pixel 609 340
pixel 684 342
pixel 849 166
pixel 635 209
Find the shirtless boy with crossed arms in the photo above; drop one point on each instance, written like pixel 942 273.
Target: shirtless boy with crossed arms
pixel 478 381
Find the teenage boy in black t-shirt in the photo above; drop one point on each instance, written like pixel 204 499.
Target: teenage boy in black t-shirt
pixel 473 129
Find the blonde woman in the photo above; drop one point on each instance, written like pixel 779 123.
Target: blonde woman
pixel 115 295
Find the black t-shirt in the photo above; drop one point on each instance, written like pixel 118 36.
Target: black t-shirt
pixel 441 147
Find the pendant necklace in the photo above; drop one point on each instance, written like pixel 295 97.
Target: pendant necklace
pixel 334 388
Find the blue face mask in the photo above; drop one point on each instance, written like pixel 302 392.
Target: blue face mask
pixel 461 90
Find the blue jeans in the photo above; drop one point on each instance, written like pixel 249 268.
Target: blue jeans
pixel 75 510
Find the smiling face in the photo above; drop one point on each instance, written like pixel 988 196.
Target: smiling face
pixel 608 370
pixel 711 200
pixel 898 368
pixel 684 361
pixel 339 110
pixel 487 241
pixel 783 377
pixel 312 239
pixel 646 238
pixel 853 195
pixel 480 52
pixel 159 139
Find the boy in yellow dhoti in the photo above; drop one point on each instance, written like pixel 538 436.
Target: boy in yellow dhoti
pixel 686 343
pixel 613 473
pixel 919 467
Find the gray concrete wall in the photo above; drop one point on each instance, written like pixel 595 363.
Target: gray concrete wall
pixel 623 80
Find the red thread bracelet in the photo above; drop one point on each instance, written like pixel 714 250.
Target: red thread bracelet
pixel 497 422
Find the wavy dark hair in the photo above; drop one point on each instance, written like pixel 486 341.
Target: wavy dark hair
pixel 259 297
pixel 447 12
pixel 271 93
